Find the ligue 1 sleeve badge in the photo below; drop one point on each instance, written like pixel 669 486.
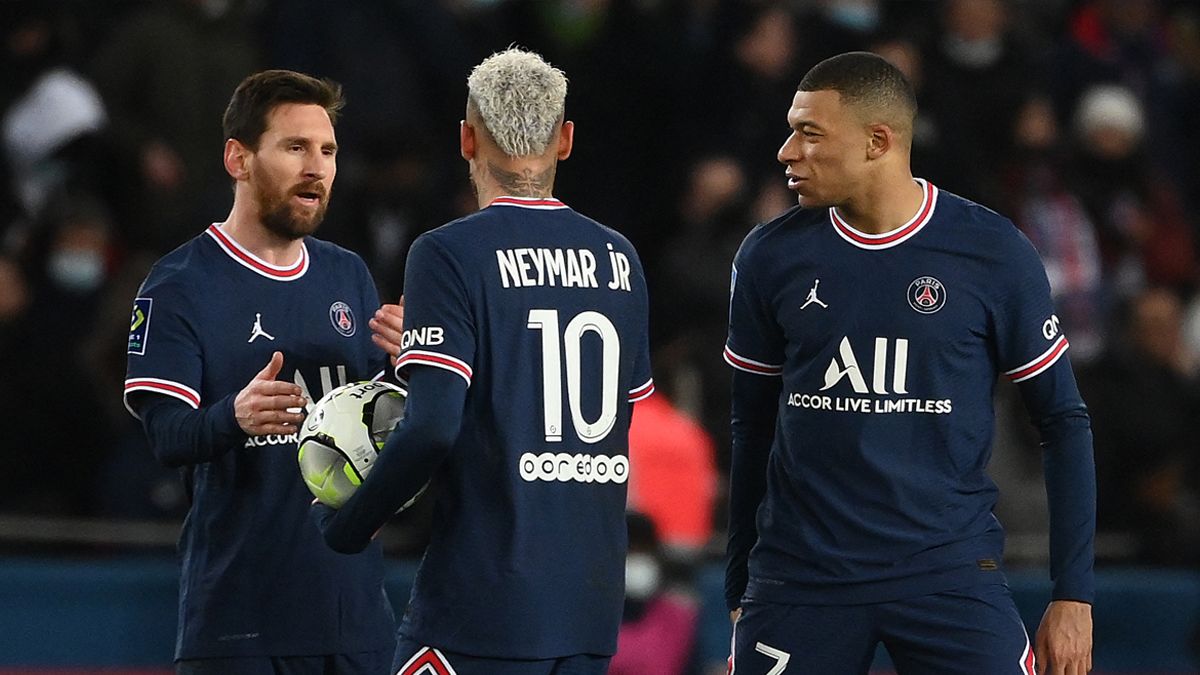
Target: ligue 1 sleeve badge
pixel 342 318
pixel 926 295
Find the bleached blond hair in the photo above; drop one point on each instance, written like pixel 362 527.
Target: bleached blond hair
pixel 520 98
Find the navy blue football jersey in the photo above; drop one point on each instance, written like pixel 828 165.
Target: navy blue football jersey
pixel 889 347
pixel 543 312
pixel 257 578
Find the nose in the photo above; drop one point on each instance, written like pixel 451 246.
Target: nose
pixel 318 165
pixel 790 150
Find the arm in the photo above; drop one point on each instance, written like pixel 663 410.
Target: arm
pixel 1064 638
pixel 754 410
pixel 180 435
pixel 1062 421
pixel 432 419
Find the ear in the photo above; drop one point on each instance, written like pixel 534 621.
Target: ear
pixel 466 140
pixel 236 159
pixel 566 139
pixel 881 139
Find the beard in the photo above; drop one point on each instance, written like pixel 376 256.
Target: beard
pixel 283 218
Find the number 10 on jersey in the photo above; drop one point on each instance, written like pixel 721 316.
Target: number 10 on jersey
pixel 554 348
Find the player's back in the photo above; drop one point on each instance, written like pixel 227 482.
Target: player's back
pixel 543 312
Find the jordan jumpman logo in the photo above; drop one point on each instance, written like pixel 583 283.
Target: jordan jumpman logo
pixel 257 330
pixel 812 296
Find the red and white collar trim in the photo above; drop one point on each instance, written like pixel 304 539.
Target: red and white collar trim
pixel 539 203
pixel 256 264
pixel 875 242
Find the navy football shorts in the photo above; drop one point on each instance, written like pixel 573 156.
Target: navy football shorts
pixel 362 663
pixel 974 630
pixel 416 659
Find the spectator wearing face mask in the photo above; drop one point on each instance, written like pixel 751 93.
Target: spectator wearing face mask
pixel 659 625
pixel 1143 229
pixel 53 453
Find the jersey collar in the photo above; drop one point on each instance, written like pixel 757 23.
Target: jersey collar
pixel 539 203
pixel 875 242
pixel 255 264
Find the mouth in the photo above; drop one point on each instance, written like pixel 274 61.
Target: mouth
pixel 794 182
pixel 310 198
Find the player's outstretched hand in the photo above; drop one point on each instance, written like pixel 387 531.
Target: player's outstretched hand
pixel 387 327
pixel 1064 640
pixel 262 407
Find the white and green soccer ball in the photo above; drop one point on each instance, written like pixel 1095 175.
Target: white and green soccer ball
pixel 342 436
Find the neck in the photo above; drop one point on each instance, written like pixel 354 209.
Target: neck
pixel 884 207
pixel 514 178
pixel 244 225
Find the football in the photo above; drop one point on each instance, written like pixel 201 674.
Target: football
pixel 342 436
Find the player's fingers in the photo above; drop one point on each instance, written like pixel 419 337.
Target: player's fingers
pixel 277 388
pixel 392 348
pixel 265 417
pixel 392 311
pixel 283 402
pixel 272 368
pixel 389 320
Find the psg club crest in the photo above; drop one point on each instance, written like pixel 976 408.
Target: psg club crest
pixel 342 318
pixel 926 295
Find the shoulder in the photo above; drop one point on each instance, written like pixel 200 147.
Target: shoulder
pixel 181 270
pixel 320 249
pixel 764 236
pixel 985 228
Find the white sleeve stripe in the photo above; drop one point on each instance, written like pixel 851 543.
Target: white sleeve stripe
pixel 645 391
pixel 437 361
pixel 438 356
pixel 1041 364
pixel 750 365
pixel 637 390
pixel 163 386
pixel 379 375
pixel 173 389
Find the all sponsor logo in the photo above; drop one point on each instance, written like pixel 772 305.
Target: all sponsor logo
pixel 888 378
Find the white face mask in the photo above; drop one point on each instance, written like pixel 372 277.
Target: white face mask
pixel 642 576
pixel 78 271
pixel 860 16
pixel 974 54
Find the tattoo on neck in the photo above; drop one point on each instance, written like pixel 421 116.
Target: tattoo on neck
pixel 524 183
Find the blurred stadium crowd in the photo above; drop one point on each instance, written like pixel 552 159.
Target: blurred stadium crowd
pixel 1074 118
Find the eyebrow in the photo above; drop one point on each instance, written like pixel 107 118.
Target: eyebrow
pixel 800 124
pixel 303 140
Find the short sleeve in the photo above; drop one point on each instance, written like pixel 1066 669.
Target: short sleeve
pixel 1029 339
pixel 755 343
pixel 439 330
pixel 642 379
pixel 163 354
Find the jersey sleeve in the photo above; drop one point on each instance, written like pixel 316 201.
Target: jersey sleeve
pixel 1031 348
pixel 1029 339
pixel 755 343
pixel 163 354
pixel 643 381
pixel 439 329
